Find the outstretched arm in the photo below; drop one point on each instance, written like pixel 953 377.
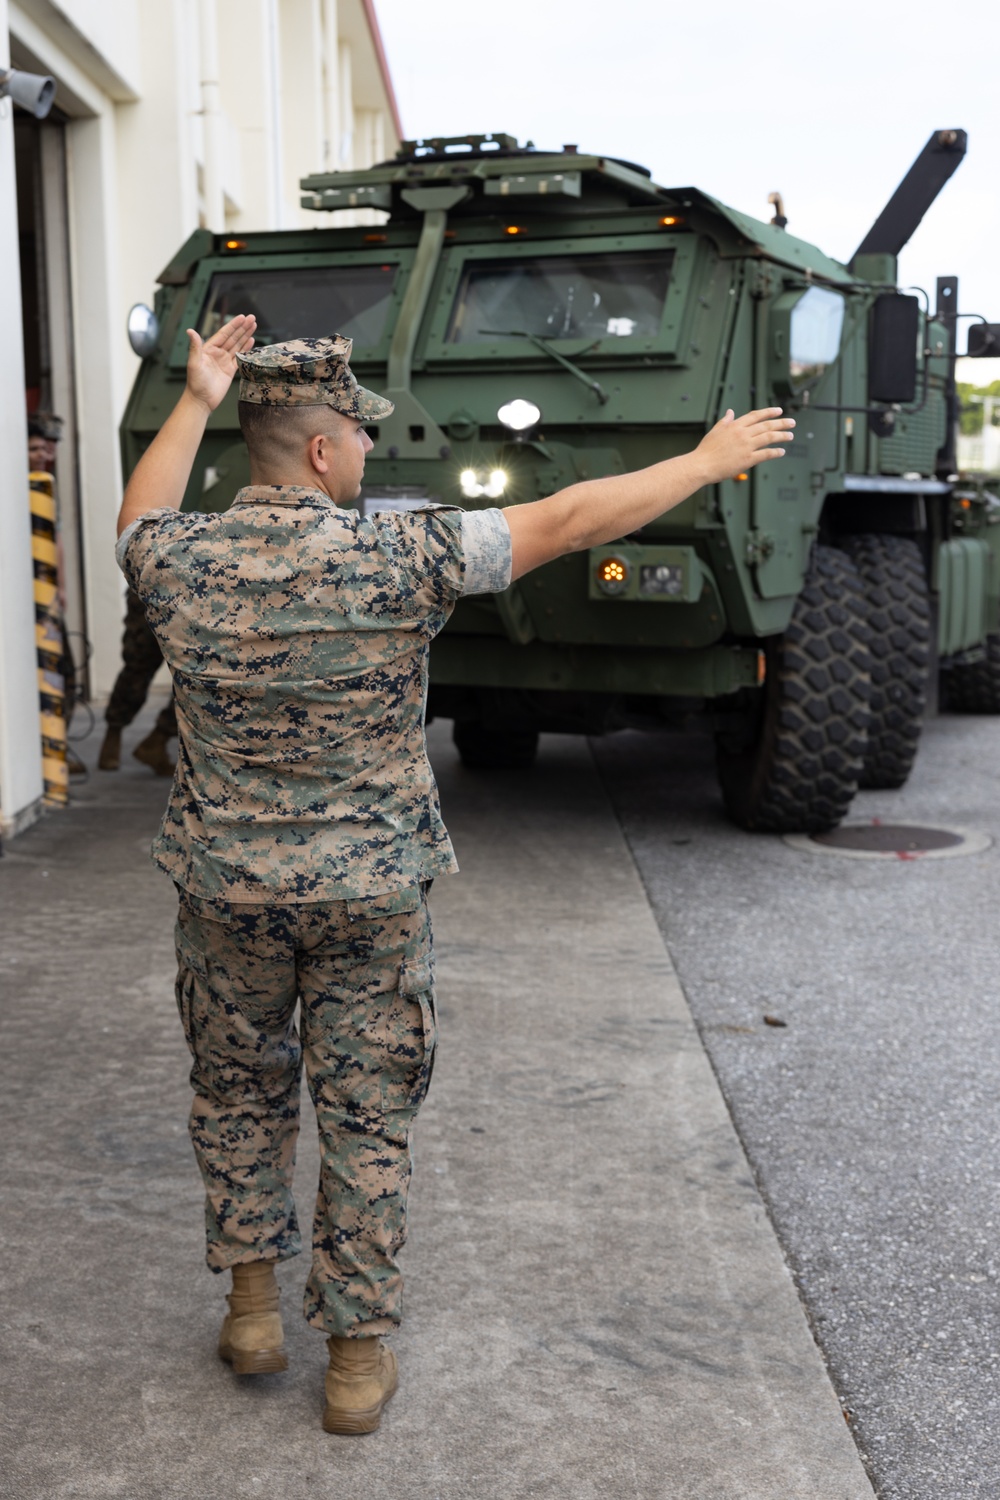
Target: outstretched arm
pixel 602 510
pixel 161 475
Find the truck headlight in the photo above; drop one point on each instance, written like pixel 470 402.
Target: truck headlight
pixel 519 415
pixel 478 484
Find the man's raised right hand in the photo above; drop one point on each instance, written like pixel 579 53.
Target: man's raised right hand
pixel 211 363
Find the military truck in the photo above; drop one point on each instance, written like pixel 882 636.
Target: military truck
pixel 540 317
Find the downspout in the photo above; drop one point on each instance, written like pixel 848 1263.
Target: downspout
pixel 331 86
pixel 212 124
pixel 277 144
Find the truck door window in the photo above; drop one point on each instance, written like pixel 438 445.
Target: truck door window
pixel 817 323
pixel 562 297
pixel 308 303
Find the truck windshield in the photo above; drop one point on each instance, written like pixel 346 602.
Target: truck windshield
pixel 562 297
pixel 311 303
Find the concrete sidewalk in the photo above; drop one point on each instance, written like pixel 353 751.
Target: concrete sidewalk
pixel 596 1304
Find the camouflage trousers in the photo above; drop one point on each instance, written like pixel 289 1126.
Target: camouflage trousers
pixel 361 972
pixel 141 660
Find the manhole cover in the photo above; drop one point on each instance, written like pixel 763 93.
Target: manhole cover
pixel 889 838
pixel 878 840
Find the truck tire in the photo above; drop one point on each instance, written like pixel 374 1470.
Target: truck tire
pixel 795 765
pixel 483 749
pixel 974 687
pixel 899 617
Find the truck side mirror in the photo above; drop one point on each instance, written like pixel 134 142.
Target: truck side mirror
pixel 892 349
pixel 984 340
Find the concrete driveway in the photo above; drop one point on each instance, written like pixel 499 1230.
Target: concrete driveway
pixel 597 1302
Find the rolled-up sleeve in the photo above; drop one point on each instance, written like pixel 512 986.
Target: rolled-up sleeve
pixel 121 546
pixel 132 546
pixel 487 552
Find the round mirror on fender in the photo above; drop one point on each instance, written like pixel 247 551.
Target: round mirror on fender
pixel 143 330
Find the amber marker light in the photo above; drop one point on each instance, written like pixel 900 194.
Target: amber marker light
pixel 741 477
pixel 236 244
pixel 613 575
pixel 670 220
pixel 761 669
pixel 376 239
pixel 513 229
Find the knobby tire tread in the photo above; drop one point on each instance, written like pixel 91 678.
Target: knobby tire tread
pixel 974 687
pixel 899 618
pixel 801 771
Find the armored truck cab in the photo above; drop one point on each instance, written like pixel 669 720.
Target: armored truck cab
pixel 544 317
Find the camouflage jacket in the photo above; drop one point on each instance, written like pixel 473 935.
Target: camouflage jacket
pixel 297 634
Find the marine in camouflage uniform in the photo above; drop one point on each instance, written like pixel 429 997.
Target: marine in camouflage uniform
pixel 303 826
pixel 141 660
pixel 302 831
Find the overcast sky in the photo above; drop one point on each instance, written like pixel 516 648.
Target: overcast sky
pixel 828 105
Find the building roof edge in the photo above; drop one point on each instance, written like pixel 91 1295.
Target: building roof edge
pixel 383 63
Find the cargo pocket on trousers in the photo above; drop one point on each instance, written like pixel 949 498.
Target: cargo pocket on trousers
pixel 416 986
pixel 192 975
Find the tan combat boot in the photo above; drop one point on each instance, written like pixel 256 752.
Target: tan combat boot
pixel 361 1378
pixel 152 751
pixel 111 751
pixel 252 1339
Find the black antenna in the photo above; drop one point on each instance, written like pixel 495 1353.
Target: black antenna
pixel 915 194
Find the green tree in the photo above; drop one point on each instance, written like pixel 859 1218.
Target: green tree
pixel 971 410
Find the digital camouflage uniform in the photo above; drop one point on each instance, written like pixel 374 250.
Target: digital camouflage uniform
pixel 141 660
pixel 302 829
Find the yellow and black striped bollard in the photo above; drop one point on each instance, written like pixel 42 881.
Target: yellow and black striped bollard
pixel 48 640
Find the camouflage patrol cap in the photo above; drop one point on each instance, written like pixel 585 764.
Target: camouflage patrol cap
pixel 308 372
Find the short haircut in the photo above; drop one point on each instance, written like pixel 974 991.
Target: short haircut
pixel 279 433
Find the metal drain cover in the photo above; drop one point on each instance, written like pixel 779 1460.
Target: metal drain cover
pixel 878 840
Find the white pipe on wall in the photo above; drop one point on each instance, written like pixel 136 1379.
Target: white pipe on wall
pixel 277 145
pixel 378 136
pixel 213 122
pixel 346 145
pixel 20 738
pixel 331 87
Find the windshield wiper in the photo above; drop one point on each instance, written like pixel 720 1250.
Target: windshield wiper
pixel 560 359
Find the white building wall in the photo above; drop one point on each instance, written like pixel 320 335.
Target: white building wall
pixel 301 96
pixel 249 76
pixel 20 747
pixel 100 36
pixel 101 375
pixel 130 78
